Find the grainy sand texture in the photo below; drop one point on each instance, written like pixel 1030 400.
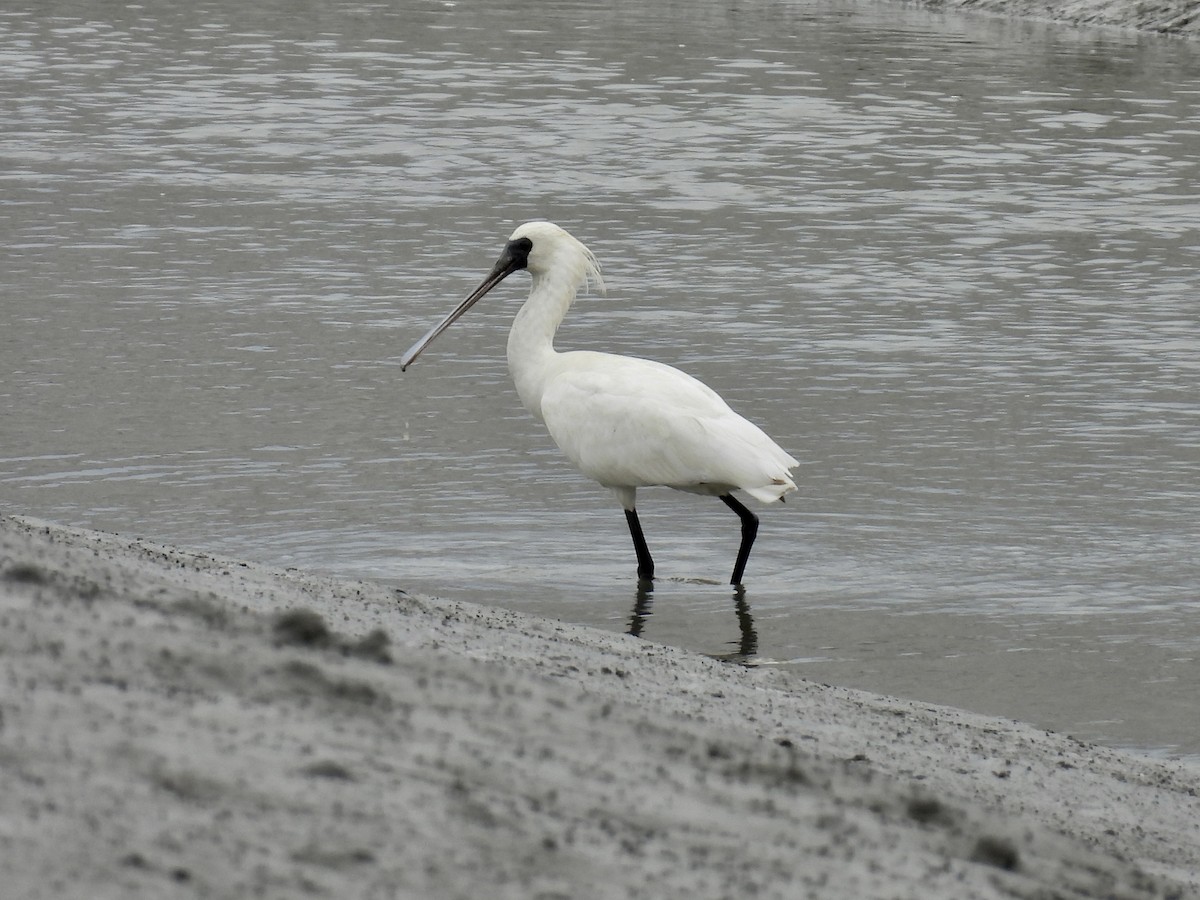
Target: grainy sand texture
pixel 178 725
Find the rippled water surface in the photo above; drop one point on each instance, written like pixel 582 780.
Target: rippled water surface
pixel 949 263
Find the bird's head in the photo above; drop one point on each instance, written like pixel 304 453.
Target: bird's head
pixel 545 248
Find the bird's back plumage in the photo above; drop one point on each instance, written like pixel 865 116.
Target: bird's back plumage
pixel 630 422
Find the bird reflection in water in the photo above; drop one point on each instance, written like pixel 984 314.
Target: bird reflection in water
pixel 747 642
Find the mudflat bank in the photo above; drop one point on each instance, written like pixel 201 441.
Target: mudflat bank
pixel 173 724
pixel 1180 17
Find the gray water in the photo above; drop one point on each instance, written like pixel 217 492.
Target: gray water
pixel 950 263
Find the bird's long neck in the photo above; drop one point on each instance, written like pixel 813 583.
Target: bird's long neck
pixel 531 341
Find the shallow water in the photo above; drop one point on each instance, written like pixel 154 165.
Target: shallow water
pixel 948 262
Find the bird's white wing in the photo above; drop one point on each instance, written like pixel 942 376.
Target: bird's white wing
pixel 632 422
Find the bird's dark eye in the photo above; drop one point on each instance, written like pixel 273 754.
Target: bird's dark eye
pixel 518 252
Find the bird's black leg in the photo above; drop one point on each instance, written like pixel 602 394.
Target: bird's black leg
pixel 749 530
pixel 645 562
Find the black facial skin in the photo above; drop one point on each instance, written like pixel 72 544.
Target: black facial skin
pixel 516 253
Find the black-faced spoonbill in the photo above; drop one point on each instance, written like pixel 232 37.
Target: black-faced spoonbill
pixel 625 422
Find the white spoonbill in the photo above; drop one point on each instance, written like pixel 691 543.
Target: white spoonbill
pixel 626 422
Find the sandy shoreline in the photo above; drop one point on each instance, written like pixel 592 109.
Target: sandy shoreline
pixel 170 729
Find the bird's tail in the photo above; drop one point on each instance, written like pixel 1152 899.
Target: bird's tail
pixel 769 493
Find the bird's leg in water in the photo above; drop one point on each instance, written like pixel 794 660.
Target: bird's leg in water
pixel 749 530
pixel 645 562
